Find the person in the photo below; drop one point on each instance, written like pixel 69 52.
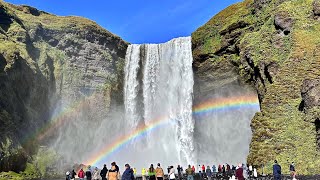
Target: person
pixel 103 172
pixel 81 174
pixel 255 173
pixel 194 169
pixel 239 172
pixel 276 170
pixel 128 173
pixel 67 175
pixel 203 168
pixel 159 172
pixel 223 170
pixel 96 174
pixel 292 170
pixel 171 173
pixel 245 171
pixel 208 172
pixel 228 167
pixel 117 168
pixel 219 168
pixel 134 172
pixel 213 169
pixel 180 171
pixel 250 171
pixel 143 174
pixel 88 173
pixel 190 172
pixel 152 173
pixel 113 174
pixel 73 174
pixel 199 170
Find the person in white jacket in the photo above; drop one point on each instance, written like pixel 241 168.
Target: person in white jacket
pixel 255 173
pixel 96 174
pixel 171 173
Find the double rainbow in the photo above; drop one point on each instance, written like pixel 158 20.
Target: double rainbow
pixel 216 104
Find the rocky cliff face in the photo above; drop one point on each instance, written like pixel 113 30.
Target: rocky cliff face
pixel 50 63
pixel 274 46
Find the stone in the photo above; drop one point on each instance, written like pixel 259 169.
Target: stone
pixel 316 7
pixel 310 93
pixel 284 22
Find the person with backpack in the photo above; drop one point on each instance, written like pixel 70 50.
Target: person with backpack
pixel 159 172
pixel 81 174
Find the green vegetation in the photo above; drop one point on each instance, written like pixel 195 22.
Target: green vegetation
pixel 280 130
pixel 44 57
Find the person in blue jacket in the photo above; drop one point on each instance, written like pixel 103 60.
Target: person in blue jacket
pixel 276 170
pixel 128 173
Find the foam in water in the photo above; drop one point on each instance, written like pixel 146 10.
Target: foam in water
pixel 159 83
pixel 165 90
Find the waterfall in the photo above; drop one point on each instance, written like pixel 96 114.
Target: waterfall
pixel 159 83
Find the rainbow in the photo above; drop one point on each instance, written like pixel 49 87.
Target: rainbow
pixel 58 120
pixel 212 105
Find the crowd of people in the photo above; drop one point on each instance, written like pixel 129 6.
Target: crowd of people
pixel 226 171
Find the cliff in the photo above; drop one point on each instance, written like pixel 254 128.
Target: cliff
pixel 48 61
pixel 272 45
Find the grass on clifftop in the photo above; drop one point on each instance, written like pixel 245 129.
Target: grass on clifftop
pixel 280 130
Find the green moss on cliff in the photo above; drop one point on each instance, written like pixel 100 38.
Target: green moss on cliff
pixel 44 57
pixel 276 61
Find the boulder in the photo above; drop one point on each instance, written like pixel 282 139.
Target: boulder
pixel 311 93
pixel 283 22
pixel 316 7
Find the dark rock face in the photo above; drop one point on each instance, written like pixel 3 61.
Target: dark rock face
pixel 48 62
pixel 316 7
pixel 259 4
pixel 283 22
pixel 311 93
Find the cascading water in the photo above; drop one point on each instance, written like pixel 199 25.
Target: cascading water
pixel 160 122
pixel 165 91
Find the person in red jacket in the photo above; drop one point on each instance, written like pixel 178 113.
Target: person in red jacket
pixel 219 168
pixel 239 172
pixel 81 174
pixel 193 169
pixel 203 169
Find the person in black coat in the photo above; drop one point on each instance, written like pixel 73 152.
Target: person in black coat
pixel 104 172
pixel 89 174
pixel 128 173
pixel 276 170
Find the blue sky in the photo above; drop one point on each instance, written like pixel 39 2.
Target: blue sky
pixel 138 21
